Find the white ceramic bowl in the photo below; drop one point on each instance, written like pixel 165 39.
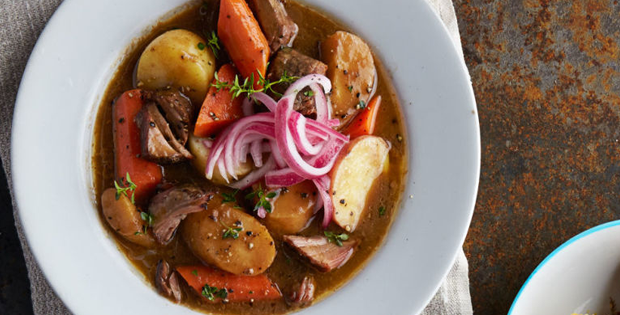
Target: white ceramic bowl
pixel 578 277
pixel 68 71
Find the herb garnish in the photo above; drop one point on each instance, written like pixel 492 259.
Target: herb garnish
pixel 263 201
pixel 381 211
pixel 231 232
pixel 309 93
pixel 336 238
pixel 236 88
pixel 361 105
pixel 145 216
pixel 211 293
pixel 201 46
pixel 123 188
pixel 230 197
pixel 195 272
pixel 214 44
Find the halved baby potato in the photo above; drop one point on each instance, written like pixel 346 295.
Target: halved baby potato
pixel 355 171
pixel 201 154
pixel 293 209
pixel 177 59
pixel 229 239
pixel 124 218
pixel 351 69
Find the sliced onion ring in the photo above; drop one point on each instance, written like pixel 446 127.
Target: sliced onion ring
pixel 299 148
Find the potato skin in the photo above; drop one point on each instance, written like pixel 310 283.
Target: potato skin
pixel 351 68
pixel 201 154
pixel 250 254
pixel 175 60
pixel 354 173
pixel 293 209
pixel 124 218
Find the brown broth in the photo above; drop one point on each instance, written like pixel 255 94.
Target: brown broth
pixel 288 269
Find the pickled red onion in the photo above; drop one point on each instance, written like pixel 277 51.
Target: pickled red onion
pixel 299 148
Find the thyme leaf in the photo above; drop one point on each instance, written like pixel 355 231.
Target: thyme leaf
pixel 211 293
pixel 124 188
pixel 336 238
pixel 237 87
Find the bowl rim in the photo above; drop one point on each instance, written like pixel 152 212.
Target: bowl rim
pixel 555 252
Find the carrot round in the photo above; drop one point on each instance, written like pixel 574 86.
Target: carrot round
pixel 145 174
pixel 241 35
pixel 364 122
pixel 240 288
pixel 219 108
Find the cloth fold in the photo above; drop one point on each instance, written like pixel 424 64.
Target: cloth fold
pixel 22 22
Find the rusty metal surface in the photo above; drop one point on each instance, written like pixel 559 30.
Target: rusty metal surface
pixel 547 83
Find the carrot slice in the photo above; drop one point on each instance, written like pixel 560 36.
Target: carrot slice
pixel 364 122
pixel 145 174
pixel 240 288
pixel 219 109
pixel 241 35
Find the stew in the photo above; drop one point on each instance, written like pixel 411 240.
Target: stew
pixel 249 157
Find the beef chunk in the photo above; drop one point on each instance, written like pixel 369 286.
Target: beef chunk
pixel 167 281
pixel 178 112
pixel 322 254
pixel 158 142
pixel 170 207
pixel 279 28
pixel 304 293
pixel 294 63
pixel 163 138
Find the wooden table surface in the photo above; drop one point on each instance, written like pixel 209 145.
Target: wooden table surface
pixel 546 79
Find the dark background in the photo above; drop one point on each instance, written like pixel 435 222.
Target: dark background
pixel 547 82
pixel 14 285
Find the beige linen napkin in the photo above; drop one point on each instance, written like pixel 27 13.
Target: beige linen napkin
pixel 22 22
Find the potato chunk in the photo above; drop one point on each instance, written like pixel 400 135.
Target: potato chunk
pixel 351 69
pixel 292 209
pixel 353 175
pixel 201 154
pixel 179 59
pixel 229 239
pixel 124 218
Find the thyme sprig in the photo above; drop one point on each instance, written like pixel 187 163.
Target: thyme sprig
pixel 231 232
pixel 237 87
pixel 264 199
pixel 211 293
pixel 214 44
pixel 230 197
pixel 336 238
pixel 124 188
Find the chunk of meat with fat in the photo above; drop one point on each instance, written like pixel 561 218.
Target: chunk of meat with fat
pixel 278 27
pixel 321 253
pixel 293 63
pixel 163 138
pixel 304 294
pixel 177 109
pixel 167 281
pixel 170 207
